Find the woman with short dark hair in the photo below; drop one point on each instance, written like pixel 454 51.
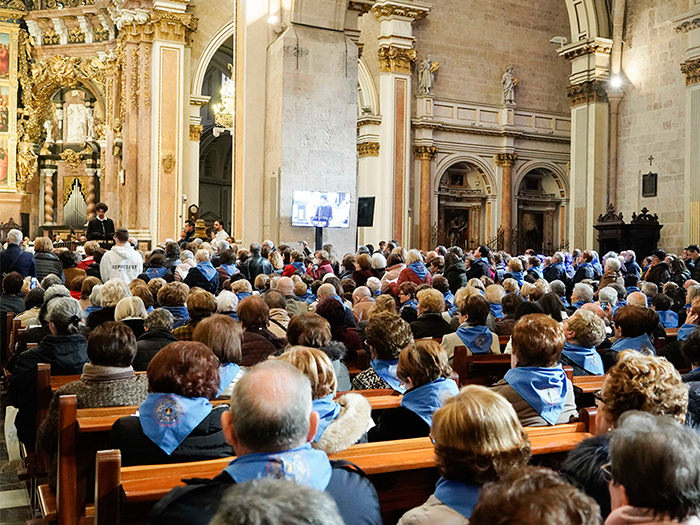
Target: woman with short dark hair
pixel 157 268
pixel 46 261
pixel 258 341
pixel 223 335
pixel 176 422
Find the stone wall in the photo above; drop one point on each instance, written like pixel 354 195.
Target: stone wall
pixel 652 115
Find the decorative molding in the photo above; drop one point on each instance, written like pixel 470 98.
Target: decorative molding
pixel 688 26
pixel 196 131
pixel 691 70
pixel 578 49
pixel 76 36
pixel 423 152
pixel 644 218
pixel 368 149
pixel 393 59
pixel 50 38
pixel 17 5
pixel 75 158
pixel 394 9
pixel 588 92
pixel 506 160
pixel 610 216
pixel 363 6
pixel 145 26
pixel 168 162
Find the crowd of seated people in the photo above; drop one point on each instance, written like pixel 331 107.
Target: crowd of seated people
pixel 283 335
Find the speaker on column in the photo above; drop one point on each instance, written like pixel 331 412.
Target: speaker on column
pixel 365 211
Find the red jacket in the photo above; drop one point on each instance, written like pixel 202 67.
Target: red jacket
pixel 409 275
pixel 323 268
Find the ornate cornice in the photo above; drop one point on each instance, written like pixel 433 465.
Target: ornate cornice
pixel 425 152
pixel 146 26
pixel 587 93
pixel 691 70
pixel 363 6
pixel 394 59
pixel 390 9
pixel 368 149
pixel 196 131
pixel 506 159
pixel 15 5
pixel 688 26
pixel 598 45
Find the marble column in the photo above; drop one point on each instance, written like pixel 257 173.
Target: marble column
pixel 49 202
pixel 506 161
pixel 425 154
pixel 396 59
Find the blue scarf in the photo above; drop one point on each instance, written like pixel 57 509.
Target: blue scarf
pixel 538 271
pixel 327 410
pixel 155 272
pixel 411 303
pixel 449 300
pixel 167 419
pixel 579 304
pixel 685 330
pixel 230 268
pixel 387 371
pixel 632 289
pixel 299 266
pixel 496 310
pixel 564 302
pixel 309 298
pixel 337 298
pixel 180 314
pixel 91 309
pixel 302 465
pixel 227 373
pixel 668 318
pixel 477 339
pixel 426 399
pixel 460 497
pixel 242 295
pixel 419 269
pixel 558 265
pixel 634 343
pixel 544 389
pixel 518 276
pixel 586 358
pixel 207 269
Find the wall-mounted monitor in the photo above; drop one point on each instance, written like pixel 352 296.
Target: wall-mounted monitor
pixel 322 209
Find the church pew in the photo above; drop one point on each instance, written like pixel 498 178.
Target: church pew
pixel 588 384
pixel 503 341
pixel 480 369
pixel 671 334
pixel 402 471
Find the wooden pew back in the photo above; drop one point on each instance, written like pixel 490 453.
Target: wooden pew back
pixel 479 369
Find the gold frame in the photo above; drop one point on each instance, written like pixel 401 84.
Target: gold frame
pixel 11 83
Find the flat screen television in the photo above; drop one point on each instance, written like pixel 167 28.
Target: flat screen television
pixel 323 209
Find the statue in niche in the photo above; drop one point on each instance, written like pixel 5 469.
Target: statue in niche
pixel 426 75
pixel 90 121
pixel 48 128
pixel 508 81
pixel 77 123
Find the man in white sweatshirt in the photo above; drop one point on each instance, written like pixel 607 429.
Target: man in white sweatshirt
pixel 122 260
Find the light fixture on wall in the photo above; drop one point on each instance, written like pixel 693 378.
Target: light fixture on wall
pixel 273 17
pixel 225 110
pixel 616 81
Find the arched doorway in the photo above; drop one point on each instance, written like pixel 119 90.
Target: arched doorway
pixel 539 203
pixel 461 194
pixel 215 169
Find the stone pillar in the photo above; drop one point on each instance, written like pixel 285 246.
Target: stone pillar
pixel 311 98
pixel 396 59
pixel 590 63
pixel 688 27
pixel 506 161
pixel 90 200
pixel 47 174
pixel 368 181
pixel 425 154
pixel 190 181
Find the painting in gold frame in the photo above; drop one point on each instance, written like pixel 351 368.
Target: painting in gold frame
pixel 9 38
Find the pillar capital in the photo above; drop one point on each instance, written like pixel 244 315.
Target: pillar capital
pixel 587 93
pixel 368 149
pixel 395 59
pixel 691 70
pixel 590 59
pixel 412 11
pixel 425 152
pixel 506 159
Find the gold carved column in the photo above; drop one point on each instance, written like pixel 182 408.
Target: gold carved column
pixel 425 154
pixel 506 162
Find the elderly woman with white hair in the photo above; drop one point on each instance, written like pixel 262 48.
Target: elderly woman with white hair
pixel 415 272
pixel 113 291
pixel 187 262
pixel 132 312
pixel 227 304
pixel 15 259
pixel 612 273
pixel 65 350
pixel 582 294
pixel 204 275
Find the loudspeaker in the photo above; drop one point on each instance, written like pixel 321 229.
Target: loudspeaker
pixel 365 211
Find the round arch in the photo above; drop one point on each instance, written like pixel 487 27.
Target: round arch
pixel 557 172
pixel 221 36
pixel 444 164
pixel 367 91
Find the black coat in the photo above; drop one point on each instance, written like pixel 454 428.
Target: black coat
pixel 254 266
pixel 555 273
pixel 47 263
pixel 93 271
pixel 196 278
pixel 98 230
pixel 477 269
pixel 14 259
pixel 583 272
pixel 456 276
pixel 398 423
pixel 65 353
pixel 198 500
pixel 101 316
pixel 431 325
pixel 148 346
pixel 206 441
pixel 12 303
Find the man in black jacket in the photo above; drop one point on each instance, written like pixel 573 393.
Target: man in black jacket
pixel 556 271
pixel 256 264
pixel 270 426
pixel 159 326
pixel 100 228
pixel 480 267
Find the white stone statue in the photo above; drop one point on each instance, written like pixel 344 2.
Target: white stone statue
pixel 508 81
pixel 48 128
pixel 76 123
pixel 90 119
pixel 426 75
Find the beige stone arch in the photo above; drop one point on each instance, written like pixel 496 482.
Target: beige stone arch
pixel 558 174
pixel 589 19
pixel 367 96
pixel 487 173
pixel 222 35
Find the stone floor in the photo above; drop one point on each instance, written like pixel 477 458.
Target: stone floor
pixel 14 498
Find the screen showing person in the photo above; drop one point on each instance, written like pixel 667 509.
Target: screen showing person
pixel 321 209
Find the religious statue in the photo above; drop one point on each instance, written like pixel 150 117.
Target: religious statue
pixel 59 119
pixel 426 75
pixel 48 128
pixel 76 117
pixel 90 118
pixel 508 81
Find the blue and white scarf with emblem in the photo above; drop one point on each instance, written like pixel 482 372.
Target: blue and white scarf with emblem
pixel 302 465
pixel 668 318
pixel 685 331
pixel 167 419
pixel 586 358
pixel 641 343
pixel 544 389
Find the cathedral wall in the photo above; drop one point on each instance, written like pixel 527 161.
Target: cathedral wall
pixel 653 115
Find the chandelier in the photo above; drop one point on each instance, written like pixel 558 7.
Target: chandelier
pixel 224 111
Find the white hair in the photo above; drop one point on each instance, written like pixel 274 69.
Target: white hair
pixel 378 261
pixel 202 255
pixel 613 263
pixel 15 236
pixel 608 295
pixel 583 292
pixel 114 291
pixel 362 291
pixel 226 302
pixel 186 255
pixel 413 256
pixel 373 283
pixel 130 308
pixel 96 295
pixel 326 290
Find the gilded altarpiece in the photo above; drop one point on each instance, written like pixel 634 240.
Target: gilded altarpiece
pixel 9 38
